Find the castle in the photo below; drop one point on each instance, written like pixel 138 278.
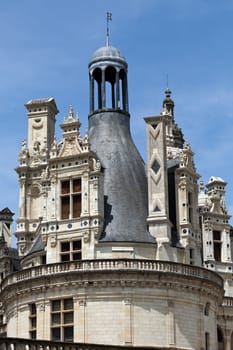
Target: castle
pixel 110 250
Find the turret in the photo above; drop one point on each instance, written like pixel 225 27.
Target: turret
pixel 216 228
pixel 108 80
pixel 125 183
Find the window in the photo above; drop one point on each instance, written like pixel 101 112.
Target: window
pixel 71 250
pixel 43 259
pixel 62 320
pixel 207 309
pixel 217 245
pixel 191 256
pixel 190 208
pixel 33 321
pixel 71 199
pixel 207 341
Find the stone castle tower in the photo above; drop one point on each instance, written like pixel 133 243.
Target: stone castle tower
pixel 114 251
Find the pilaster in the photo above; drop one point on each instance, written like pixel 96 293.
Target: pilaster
pixel 158 218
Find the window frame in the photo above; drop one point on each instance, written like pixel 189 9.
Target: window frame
pixel 32 321
pixel 217 245
pixel 71 250
pixel 59 328
pixel 70 198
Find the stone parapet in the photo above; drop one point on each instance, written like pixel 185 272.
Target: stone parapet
pixel 123 265
pixel 25 344
pixel 117 295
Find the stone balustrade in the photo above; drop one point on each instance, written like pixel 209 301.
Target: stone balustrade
pixel 123 265
pixel 228 301
pixel 26 344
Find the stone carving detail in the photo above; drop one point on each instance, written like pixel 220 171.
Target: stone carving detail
pixel 24 154
pixel 42 307
pixel 22 248
pixel 186 158
pixel 86 236
pixel 53 241
pixel 82 302
pixel 96 164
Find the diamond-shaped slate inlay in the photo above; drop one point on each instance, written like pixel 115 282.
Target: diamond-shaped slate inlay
pixel 155 167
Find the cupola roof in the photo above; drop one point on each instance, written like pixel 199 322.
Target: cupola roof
pixel 108 55
pixel 215 179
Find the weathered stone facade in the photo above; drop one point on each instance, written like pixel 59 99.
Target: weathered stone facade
pixel 113 251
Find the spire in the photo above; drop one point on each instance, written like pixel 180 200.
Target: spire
pixel 168 103
pixel 108 18
pixel 71 113
pixel 71 121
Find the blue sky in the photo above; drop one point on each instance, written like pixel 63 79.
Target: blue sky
pixel 45 47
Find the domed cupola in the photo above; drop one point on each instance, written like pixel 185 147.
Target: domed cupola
pixel 108 80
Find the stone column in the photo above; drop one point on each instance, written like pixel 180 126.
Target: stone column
pixel 92 94
pixel 118 102
pixel 103 95
pixel 227 340
pixel 80 320
pixel 171 324
pixel 128 322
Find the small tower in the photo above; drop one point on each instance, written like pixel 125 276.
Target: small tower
pixel 216 228
pixel 172 186
pixel 108 80
pixel 125 184
pixel 33 164
pixel 158 208
pixel 6 219
pixel 174 135
pixel 41 123
pixel 9 260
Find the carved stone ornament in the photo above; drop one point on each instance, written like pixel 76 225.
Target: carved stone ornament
pixel 42 307
pixel 86 236
pixel 82 302
pixel 23 156
pixel 53 241
pixel 22 247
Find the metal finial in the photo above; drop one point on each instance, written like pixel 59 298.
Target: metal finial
pixel 108 18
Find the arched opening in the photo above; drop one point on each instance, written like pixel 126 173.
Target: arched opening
pixel 110 78
pixel 96 100
pixel 220 339
pixel 108 89
pixel 124 90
